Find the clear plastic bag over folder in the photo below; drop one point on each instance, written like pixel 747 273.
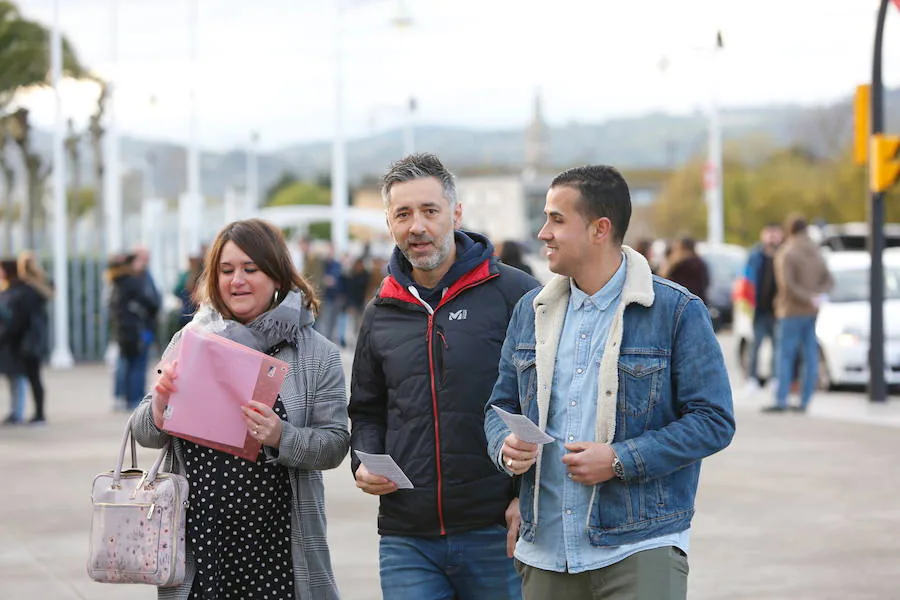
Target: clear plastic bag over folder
pixel 216 377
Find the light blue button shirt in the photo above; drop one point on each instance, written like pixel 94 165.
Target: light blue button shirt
pixel 561 543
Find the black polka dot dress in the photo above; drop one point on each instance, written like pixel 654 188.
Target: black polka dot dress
pixel 239 525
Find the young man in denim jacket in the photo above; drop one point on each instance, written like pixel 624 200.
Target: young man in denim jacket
pixel 623 370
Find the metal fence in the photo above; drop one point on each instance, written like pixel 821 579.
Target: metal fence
pixel 88 310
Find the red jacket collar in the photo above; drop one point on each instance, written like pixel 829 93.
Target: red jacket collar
pixel 391 288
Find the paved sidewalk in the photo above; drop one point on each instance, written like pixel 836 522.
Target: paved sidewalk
pixel 799 507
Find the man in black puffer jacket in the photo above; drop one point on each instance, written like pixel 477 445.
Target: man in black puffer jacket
pixel 426 362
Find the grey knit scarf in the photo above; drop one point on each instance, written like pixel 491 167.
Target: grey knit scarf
pixel 283 323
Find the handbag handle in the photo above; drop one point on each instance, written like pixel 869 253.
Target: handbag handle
pixel 149 476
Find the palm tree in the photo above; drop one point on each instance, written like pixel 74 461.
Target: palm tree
pixel 25 64
pixel 25 55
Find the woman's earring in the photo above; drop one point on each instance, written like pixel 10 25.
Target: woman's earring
pixel 275 301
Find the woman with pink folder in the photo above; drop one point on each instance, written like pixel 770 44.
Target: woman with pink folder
pixel 248 535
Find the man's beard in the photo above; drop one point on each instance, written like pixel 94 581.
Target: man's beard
pixel 432 260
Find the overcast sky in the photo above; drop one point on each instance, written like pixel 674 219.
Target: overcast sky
pixel 269 65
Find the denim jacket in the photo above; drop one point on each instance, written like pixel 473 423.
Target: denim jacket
pixel 664 401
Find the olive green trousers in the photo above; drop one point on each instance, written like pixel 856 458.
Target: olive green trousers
pixel 658 574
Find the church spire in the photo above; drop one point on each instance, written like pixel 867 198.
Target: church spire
pixel 536 137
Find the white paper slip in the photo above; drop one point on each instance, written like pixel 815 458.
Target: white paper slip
pixel 523 427
pixel 384 465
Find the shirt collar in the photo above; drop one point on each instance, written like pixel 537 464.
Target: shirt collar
pixel 605 295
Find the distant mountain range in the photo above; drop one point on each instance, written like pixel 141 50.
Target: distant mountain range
pixel 649 141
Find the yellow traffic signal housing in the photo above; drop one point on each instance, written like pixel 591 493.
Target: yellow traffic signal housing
pixel 884 169
pixel 861 124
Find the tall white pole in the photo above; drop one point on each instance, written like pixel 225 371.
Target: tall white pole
pixel 409 131
pixel 339 235
pixel 403 20
pixel 252 191
pixel 149 172
pixel 61 357
pixel 112 182
pixel 194 197
pixel 713 174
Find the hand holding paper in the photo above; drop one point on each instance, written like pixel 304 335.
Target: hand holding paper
pixel 523 427
pixel 384 465
pixel 162 390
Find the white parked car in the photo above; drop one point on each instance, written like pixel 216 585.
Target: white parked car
pixel 842 328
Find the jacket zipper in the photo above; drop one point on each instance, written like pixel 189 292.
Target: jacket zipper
pixel 437 423
pixel 429 336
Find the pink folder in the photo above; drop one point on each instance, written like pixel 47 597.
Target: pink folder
pixel 217 376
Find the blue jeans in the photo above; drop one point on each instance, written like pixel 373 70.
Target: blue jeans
pixel 796 337
pixel 119 377
pixel 763 327
pixel 464 566
pixel 327 321
pixel 134 378
pixel 17 391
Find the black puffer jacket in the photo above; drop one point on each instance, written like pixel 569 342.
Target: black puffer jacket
pixel 420 383
pixel 20 306
pixel 133 306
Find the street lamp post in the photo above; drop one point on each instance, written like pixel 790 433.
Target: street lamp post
pixel 149 168
pixel 712 169
pixel 112 183
pixel 339 196
pixel 713 175
pixel 409 131
pixel 61 357
pixel 403 20
pixel 252 191
pixel 190 213
pixel 339 179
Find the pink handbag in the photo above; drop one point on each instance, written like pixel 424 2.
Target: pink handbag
pixel 138 522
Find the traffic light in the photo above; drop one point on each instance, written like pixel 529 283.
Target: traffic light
pixel 861 124
pixel 884 168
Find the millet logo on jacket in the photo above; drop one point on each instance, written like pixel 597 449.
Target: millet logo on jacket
pixel 459 315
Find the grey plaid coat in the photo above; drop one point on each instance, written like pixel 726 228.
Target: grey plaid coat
pixel 314 438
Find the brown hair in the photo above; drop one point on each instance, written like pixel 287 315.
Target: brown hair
pixel 682 249
pixel 31 272
pixel 265 245
pixel 10 270
pixel 795 223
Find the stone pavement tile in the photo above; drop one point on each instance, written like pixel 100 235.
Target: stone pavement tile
pixel 843 406
pixel 797 507
pixel 45 499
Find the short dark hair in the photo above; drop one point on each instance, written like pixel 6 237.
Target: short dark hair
pixel 265 245
pixel 419 166
pixel 10 269
pixel 511 253
pixel 604 193
pixel 688 244
pixel 795 223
